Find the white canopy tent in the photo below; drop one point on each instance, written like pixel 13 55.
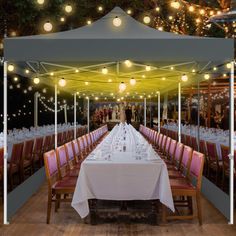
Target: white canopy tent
pixel 103 42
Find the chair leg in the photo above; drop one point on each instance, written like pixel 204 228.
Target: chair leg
pixel 199 208
pixel 190 204
pixel 164 214
pixel 49 206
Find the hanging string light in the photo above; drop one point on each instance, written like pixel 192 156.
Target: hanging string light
pixel 10 67
pixel 62 82
pixel 117 21
pixel 68 8
pixel 47 26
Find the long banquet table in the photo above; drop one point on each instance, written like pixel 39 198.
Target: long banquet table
pixel 122 167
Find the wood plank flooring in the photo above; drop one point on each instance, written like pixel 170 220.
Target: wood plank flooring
pixel 30 220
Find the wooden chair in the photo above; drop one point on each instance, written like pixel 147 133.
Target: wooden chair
pixel 188 140
pixel 194 144
pixel 77 153
pixel 185 187
pixel 46 143
pixel 171 151
pixel 37 153
pixel 203 149
pixel 182 170
pixel 214 165
pixel 13 167
pixel 177 157
pixel 26 162
pixel 57 186
pixel 71 157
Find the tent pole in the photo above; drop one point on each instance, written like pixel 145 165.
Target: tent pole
pixel 36 95
pixel 55 113
pixel 231 142
pixel 5 220
pixel 145 111
pixel 74 115
pixel 65 113
pixel 198 114
pixel 88 115
pixel 179 112
pixel 159 112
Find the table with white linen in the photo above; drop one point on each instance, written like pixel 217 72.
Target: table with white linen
pixel 112 173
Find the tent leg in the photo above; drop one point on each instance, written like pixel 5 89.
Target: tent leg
pixel 5 215
pixel 159 112
pixel 179 112
pixel 65 113
pixel 145 111
pixel 74 115
pixel 36 95
pixel 55 113
pixel 231 143
pixel 88 120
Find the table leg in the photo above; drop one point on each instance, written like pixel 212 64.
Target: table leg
pixel 93 211
pixel 152 217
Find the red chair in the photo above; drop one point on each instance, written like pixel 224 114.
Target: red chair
pixel 13 167
pixel 159 141
pixel 184 188
pixel 171 151
pixel 1 165
pixel 183 168
pixel 183 138
pixel 37 153
pixel 26 163
pixel 214 164
pixel 177 157
pixel 188 140
pixel 47 143
pixel 77 153
pixel 194 144
pixel 71 156
pixel 57 186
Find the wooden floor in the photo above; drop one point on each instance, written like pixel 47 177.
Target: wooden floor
pixel 30 220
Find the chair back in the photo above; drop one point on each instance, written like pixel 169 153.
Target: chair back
pixel 28 149
pixel 178 154
pixel 16 154
pixel 1 158
pixel 194 143
pixel 46 143
pixel 167 146
pixel 160 140
pixel 202 147
pixel 196 168
pixel 62 161
pixel 225 156
pixel 172 148
pixel 183 138
pixel 51 167
pixel 188 140
pixel 211 151
pixel 76 150
pixel 70 154
pixel 163 143
pixel 186 160
pixel 81 144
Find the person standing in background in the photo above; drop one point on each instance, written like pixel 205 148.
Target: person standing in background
pixel 128 113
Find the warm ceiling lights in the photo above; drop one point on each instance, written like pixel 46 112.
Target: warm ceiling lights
pixel 27 71
pixel 191 8
pixel 40 2
pixel 15 79
pixel 148 68
pixel 10 67
pixel 47 26
pixel 100 8
pixel 128 63
pixel 129 12
pixel 132 81
pixel 228 65
pixel 184 78
pixel 68 8
pixel 122 86
pixel 76 71
pixel 86 83
pixel 36 80
pixel 104 70
pixel 62 19
pixel 175 4
pixel 62 82
pixel 146 19
pixel 89 22
pixel 206 76
pixel 157 9
pixel 117 21
pixel 109 80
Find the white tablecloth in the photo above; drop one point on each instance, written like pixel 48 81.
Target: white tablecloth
pixel 121 177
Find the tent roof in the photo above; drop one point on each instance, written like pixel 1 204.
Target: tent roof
pixel 101 41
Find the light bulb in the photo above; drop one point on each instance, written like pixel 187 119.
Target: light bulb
pixel 228 65
pixel 104 70
pixel 10 67
pixel 27 71
pixel 40 2
pixel 62 19
pixel 15 79
pixel 128 63
pixel 175 4
pixel 68 8
pixel 47 26
pixel 117 21
pixel 132 81
pixel 184 78
pixel 122 86
pixel 129 12
pixel 206 76
pixel 191 8
pixel 36 80
pixel 100 8
pixel 62 82
pixel 146 19
pixel 89 22
pixel 148 68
